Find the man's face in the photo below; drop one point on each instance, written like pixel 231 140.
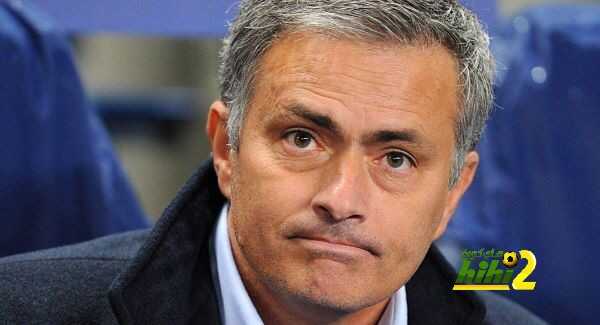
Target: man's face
pixel 340 183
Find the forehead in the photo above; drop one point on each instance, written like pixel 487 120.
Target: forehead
pixel 373 82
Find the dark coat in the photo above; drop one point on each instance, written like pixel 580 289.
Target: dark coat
pixel 166 276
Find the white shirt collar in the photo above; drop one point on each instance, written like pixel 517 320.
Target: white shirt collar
pixel 237 306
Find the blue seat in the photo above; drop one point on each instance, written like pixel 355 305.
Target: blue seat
pixel 538 186
pixel 60 180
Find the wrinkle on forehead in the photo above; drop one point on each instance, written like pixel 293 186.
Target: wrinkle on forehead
pixel 376 85
pixel 315 63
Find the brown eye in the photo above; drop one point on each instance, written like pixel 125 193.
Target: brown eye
pixel 301 139
pixel 398 160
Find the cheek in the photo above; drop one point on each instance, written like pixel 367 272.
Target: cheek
pixel 410 225
pixel 264 197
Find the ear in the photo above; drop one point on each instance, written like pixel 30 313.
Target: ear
pixel 216 129
pixel 455 193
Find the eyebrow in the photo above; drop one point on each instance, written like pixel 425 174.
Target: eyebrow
pixel 323 121
pixel 385 136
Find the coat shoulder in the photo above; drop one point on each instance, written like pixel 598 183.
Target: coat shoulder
pixel 65 285
pixel 501 310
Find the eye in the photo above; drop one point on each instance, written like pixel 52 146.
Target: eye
pixel 398 160
pixel 300 139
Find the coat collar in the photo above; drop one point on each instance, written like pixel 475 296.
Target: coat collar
pixel 430 297
pixel 171 280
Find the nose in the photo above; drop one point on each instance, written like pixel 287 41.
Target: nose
pixel 343 191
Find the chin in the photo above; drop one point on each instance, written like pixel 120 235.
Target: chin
pixel 324 295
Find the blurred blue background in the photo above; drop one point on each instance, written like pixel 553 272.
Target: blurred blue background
pixel 188 18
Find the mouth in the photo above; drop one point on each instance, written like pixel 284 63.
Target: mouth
pixel 336 249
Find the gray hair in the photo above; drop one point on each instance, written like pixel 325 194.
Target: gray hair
pixel 444 22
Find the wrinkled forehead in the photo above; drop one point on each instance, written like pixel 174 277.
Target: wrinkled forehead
pixel 387 75
pixel 379 85
pixel 304 38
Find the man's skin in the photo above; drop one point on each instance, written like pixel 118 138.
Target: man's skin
pixel 340 184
